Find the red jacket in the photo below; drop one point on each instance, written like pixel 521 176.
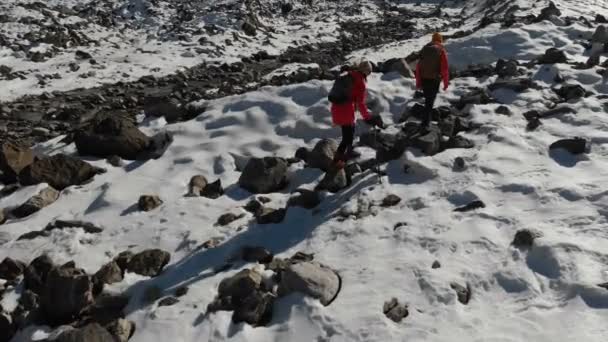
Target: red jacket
pixel 344 114
pixel 444 69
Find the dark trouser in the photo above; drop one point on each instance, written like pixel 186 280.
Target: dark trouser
pixel 430 88
pixel 348 135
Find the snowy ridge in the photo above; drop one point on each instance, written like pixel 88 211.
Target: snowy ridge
pixel 546 293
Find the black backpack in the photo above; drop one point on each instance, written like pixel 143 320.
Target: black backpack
pixel 341 91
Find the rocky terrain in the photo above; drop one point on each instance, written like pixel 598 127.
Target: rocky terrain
pixel 166 171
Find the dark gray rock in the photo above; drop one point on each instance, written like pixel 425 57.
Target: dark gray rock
pixel 149 263
pixel 36 273
pixel 166 107
pixel 574 146
pixel 228 218
pixel 549 11
pixel 11 269
pixel 213 190
pixel 503 110
pixel 121 329
pixel 271 216
pixel 430 143
pixel 305 199
pixel 570 92
pixel 249 28
pixel 13 159
pixel 553 56
pixel 256 254
pixel 149 202
pixel 255 207
pixel 59 171
pixel 436 265
pixel 255 309
pixel 89 333
pixel 109 273
pixel 506 68
pixel 524 238
pixel 264 175
pixel 463 293
pixel 333 181
pixel 395 311
pixel 44 198
pixel 459 163
pixel 322 155
pixel 477 204
pixel 168 301
pixel 517 85
pixel 391 201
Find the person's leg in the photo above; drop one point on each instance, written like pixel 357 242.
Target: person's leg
pixel 430 89
pixel 348 134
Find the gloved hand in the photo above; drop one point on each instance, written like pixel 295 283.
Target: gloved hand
pixel 375 120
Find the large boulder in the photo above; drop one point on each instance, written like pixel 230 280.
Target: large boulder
pixel 312 279
pixel 36 273
pixel 89 333
pixel 398 65
pixel 552 56
pixel 58 171
pixel 149 263
pixel 109 135
pixel 264 175
pixel 11 269
pixel 321 156
pixel 67 292
pixel 13 159
pixel 44 198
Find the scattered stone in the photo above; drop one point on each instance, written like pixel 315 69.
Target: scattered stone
pixel 516 85
pixel 89 333
pixel 228 218
pixel 213 190
pixel 254 207
pixel 271 216
pixel 286 7
pixel 312 279
pixel 114 160
pixel 256 254
pixel 13 159
pixel 399 225
pixel 149 202
pixel 464 293
pixel 391 201
pixel 430 143
pixel 121 329
pixel 43 199
pixel 601 19
pixel 400 66
pixel 249 28
pixel 36 273
pixel 196 186
pixel 436 265
pixel 181 291
pixel 166 107
pixel 122 260
pixel 548 12
pixel 58 171
pixel 83 55
pixel 459 163
pixel 264 175
pixel 322 155
pixel 109 273
pixel 264 199
pixel 471 206
pixel 108 135
pixel 395 311
pixel 553 56
pixel 149 263
pixel 106 309
pixel 67 291
pixel 168 301
pixel 305 199
pixel 604 285
pixel 571 92
pixel 574 146
pixel 524 238
pixel 600 35
pixel 506 68
pixel 503 110
pixel 11 269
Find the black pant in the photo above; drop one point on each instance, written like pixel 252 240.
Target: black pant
pixel 430 88
pixel 348 135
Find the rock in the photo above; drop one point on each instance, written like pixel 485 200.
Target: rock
pixel 395 311
pixel 256 254
pixel 249 28
pixel 517 85
pixel 391 201
pixel 122 260
pixel 503 110
pixel 286 7
pixel 571 92
pixel 463 293
pixel 574 146
pixel 547 12
pixel 213 190
pixel 114 160
pixel 254 207
pixel 36 273
pixel 552 56
pixel 264 175
pixel 109 273
pixel 430 143
pixel 594 60
pixel 43 199
pixel 106 309
pixel 604 285
pixel 524 238
pixel 83 55
pixel 168 301
pixel 475 97
pixel 506 68
pixel 228 218
pixel 90 333
pixel 121 329
pixel 459 163
pixel 7 329
pixel 58 171
pixel 11 269
pixel 255 309
pixel 13 159
pixel 312 279
pixel 306 199
pixel 170 108
pixel 322 155
pixel 149 263
pixel 458 141
pixel 477 204
pixel 600 35
pixel 435 265
pixel 159 143
pixel 271 216
pixel 2 217
pixel 149 202
pixel 601 19
pixel 197 185
pixel 400 66
pixel 8 190
pixel 240 286
pixel 181 291
pixel 68 290
pixel 333 181
pixel 108 135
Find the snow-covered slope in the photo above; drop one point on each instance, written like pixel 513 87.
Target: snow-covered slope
pixel 547 293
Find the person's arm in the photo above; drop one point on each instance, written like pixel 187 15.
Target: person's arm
pixel 360 97
pixel 445 69
pixel 418 79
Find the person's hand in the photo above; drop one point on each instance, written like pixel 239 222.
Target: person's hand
pixel 445 87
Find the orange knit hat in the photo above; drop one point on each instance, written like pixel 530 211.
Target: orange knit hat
pixel 437 38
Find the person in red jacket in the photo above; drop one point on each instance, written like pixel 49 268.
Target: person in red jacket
pixel 432 68
pixel 343 115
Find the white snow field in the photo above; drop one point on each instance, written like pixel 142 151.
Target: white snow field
pixel 547 293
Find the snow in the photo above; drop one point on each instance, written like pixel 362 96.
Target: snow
pixel 548 293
